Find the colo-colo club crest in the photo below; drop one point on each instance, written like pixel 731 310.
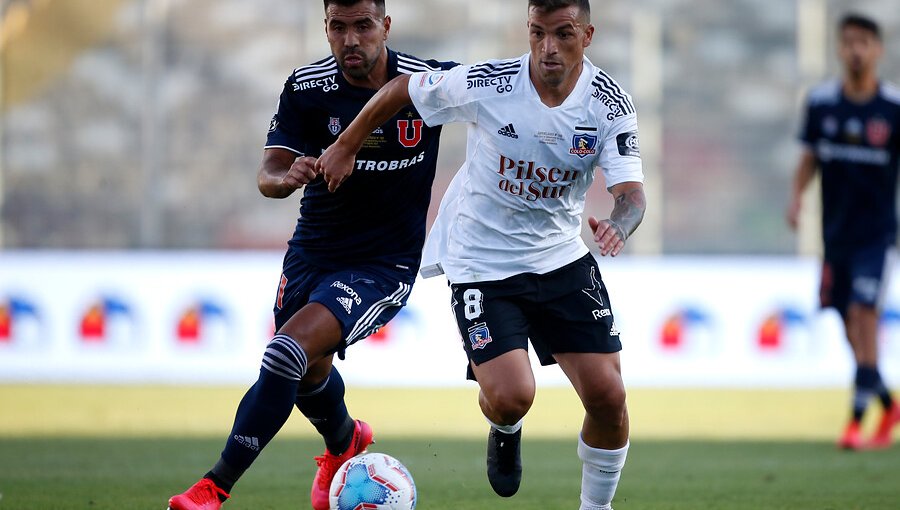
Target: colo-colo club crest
pixel 583 145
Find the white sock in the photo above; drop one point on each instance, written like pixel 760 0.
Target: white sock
pixel 599 475
pixel 506 429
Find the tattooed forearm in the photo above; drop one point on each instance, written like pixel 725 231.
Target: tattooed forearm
pixel 629 211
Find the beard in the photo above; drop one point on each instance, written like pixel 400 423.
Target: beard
pixel 552 79
pixel 358 71
pixel 856 69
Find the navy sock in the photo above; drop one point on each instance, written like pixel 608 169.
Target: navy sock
pixel 263 411
pixel 884 394
pixel 325 408
pixel 865 388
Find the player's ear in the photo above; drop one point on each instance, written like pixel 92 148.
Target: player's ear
pixel 588 35
pixel 387 26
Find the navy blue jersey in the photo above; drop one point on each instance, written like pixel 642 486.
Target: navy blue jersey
pixel 857 150
pixel 378 214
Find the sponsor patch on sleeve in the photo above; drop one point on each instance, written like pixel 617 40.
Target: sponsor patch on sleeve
pixel 629 145
pixel 430 80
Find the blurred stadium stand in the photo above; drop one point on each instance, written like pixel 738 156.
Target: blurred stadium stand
pixel 139 123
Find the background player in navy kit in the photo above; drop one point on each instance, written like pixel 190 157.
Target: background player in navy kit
pixel 852 135
pixel 354 255
pixel 508 234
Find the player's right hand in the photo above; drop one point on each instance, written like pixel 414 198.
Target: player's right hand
pixel 301 173
pixel 336 164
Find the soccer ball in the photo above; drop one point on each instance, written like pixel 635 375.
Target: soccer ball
pixel 373 481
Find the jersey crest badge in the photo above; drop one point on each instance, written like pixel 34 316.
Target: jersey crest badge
pixel 878 132
pixel 409 138
pixel 334 125
pixel 480 336
pixel 583 145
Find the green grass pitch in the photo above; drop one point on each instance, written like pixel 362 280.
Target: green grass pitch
pixel 121 448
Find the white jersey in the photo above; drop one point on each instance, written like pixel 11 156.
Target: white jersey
pixel 515 206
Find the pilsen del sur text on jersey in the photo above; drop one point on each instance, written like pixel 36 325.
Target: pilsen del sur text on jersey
pixel 546 183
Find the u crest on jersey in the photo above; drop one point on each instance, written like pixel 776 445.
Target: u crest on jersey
pixel 409 138
pixel 334 125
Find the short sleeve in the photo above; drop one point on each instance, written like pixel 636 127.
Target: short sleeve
pixel 807 132
pixel 620 155
pixel 442 96
pixel 286 128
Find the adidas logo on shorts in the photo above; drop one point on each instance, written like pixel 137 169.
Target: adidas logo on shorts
pixel 347 303
pixel 509 131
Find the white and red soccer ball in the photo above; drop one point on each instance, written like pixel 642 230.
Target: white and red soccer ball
pixel 372 481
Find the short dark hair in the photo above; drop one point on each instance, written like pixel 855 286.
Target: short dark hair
pixel 862 22
pixel 348 3
pixel 552 5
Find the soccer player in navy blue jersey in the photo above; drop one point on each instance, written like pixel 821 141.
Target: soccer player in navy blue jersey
pixel 352 261
pixel 852 136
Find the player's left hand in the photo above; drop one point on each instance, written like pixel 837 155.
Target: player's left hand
pixel 610 238
pixel 793 213
pixel 336 165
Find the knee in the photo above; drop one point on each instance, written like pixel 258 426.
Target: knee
pixel 285 358
pixel 606 404
pixel 300 332
pixel 308 339
pixel 315 330
pixel 316 374
pixel 509 405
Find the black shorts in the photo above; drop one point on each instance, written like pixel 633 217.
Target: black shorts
pixel 362 298
pixel 563 311
pixel 857 277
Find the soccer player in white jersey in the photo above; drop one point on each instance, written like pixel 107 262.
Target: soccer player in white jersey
pixel 508 232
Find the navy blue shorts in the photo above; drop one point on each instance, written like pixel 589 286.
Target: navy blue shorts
pixel 855 278
pixel 563 311
pixel 363 298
